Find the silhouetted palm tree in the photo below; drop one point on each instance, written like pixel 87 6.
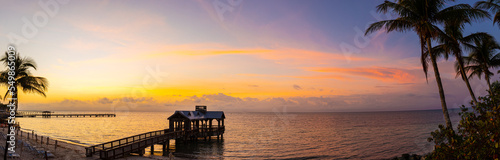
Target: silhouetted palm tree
pixel 493 6
pixel 24 79
pixel 483 56
pixel 452 42
pixel 422 17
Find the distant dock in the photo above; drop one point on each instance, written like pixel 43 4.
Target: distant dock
pixel 51 114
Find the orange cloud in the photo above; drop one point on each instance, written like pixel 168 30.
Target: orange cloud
pixel 324 77
pixel 301 77
pixel 379 73
pixel 311 56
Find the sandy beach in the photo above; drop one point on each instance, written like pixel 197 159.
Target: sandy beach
pixel 62 151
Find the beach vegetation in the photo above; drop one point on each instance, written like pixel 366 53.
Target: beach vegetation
pixel 477 135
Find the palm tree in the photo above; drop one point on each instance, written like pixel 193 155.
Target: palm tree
pixel 493 6
pixel 422 17
pixel 483 56
pixel 24 79
pixel 452 42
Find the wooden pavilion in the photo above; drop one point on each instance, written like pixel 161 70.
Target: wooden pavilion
pixel 200 120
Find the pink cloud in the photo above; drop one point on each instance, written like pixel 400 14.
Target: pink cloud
pixel 378 73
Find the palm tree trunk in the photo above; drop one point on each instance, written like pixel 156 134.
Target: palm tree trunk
pixel 464 77
pixel 15 97
pixel 440 86
pixel 487 77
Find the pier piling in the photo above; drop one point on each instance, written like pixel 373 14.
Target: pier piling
pixel 152 149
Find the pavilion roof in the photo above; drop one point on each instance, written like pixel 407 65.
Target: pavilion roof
pixel 198 115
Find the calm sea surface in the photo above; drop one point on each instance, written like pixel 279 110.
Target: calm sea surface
pixel 371 135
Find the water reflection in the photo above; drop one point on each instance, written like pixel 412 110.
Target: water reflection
pixel 201 149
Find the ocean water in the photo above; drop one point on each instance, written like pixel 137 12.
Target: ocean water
pixel 275 135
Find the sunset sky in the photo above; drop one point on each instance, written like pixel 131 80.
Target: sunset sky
pixel 236 55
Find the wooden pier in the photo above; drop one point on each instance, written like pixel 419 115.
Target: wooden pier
pixel 50 114
pixel 138 143
pixel 184 126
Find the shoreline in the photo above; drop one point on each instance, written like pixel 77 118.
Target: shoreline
pixel 69 141
pixel 61 149
pixel 64 150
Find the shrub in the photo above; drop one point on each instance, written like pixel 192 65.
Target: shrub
pixel 477 135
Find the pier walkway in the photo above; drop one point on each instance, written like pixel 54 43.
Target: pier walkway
pixel 138 143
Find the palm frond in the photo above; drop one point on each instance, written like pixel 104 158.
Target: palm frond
pixel 492 5
pixel 31 84
pixel 27 63
pixel 403 10
pixel 24 79
pixel 478 36
pixel 458 70
pixel 496 19
pixel 399 24
pixel 461 14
